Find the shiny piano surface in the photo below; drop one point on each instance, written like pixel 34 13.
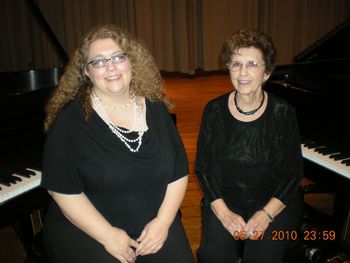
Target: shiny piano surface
pixel 318 85
pixel 23 96
pixel 22 100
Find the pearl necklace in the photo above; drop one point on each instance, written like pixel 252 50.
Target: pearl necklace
pixel 117 108
pixel 248 112
pixel 120 133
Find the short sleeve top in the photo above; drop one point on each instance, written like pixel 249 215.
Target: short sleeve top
pixel 126 187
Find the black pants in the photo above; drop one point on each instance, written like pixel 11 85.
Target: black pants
pixel 67 244
pixel 218 246
pixel 175 250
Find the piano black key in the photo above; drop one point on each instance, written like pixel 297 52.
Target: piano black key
pixel 7 180
pixel 326 161
pixel 312 145
pixel 339 156
pixel 16 178
pixel 346 162
pixel 320 149
pixel 326 151
pixel 4 182
pixel 24 173
pixel 332 156
pixel 14 188
pixel 31 172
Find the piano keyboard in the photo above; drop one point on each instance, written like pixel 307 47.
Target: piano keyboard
pixel 29 179
pixel 327 159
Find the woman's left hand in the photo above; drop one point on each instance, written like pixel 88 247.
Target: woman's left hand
pixel 257 225
pixel 152 237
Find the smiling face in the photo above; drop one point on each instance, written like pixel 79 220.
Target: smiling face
pixel 248 80
pixel 112 80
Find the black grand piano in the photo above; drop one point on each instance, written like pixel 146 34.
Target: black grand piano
pixel 22 100
pixel 318 85
pixel 23 95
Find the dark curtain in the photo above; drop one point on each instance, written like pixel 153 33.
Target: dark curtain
pixel 183 35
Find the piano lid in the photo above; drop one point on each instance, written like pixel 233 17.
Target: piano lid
pixel 39 17
pixel 23 96
pixel 318 85
pixel 331 46
pixel 323 67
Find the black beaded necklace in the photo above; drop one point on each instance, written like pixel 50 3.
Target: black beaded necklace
pixel 252 111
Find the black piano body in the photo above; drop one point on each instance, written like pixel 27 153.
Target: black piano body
pixel 23 96
pixel 318 85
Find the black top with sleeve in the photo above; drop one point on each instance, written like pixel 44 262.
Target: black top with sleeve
pixel 248 163
pixel 126 188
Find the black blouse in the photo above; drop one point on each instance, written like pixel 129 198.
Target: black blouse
pixel 248 163
pixel 127 188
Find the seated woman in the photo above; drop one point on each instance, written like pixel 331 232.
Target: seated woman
pixel 249 161
pixel 114 162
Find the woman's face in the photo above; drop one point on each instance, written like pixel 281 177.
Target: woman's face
pixel 247 70
pixel 111 78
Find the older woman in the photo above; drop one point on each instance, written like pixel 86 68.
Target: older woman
pixel 113 163
pixel 249 162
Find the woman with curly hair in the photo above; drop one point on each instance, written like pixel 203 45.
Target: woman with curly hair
pixel 249 161
pixel 113 162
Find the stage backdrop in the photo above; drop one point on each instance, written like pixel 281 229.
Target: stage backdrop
pixel 183 35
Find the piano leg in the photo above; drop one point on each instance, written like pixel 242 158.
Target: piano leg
pixel 24 231
pixel 18 212
pixel 329 182
pixel 30 237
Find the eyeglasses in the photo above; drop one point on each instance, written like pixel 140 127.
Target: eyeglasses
pixel 251 66
pixel 102 62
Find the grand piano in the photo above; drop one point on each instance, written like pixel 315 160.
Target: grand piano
pixel 23 95
pixel 22 99
pixel 317 83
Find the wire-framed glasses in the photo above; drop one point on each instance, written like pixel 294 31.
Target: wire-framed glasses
pixel 251 66
pixel 102 62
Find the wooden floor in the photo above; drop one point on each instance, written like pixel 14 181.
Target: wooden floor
pixel 190 96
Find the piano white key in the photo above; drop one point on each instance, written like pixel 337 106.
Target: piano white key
pixel 325 161
pixel 9 192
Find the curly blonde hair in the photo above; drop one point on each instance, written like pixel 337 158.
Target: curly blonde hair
pixel 245 38
pixel 146 80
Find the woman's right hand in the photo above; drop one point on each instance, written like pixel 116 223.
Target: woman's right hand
pixel 79 210
pixel 233 222
pixel 120 245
